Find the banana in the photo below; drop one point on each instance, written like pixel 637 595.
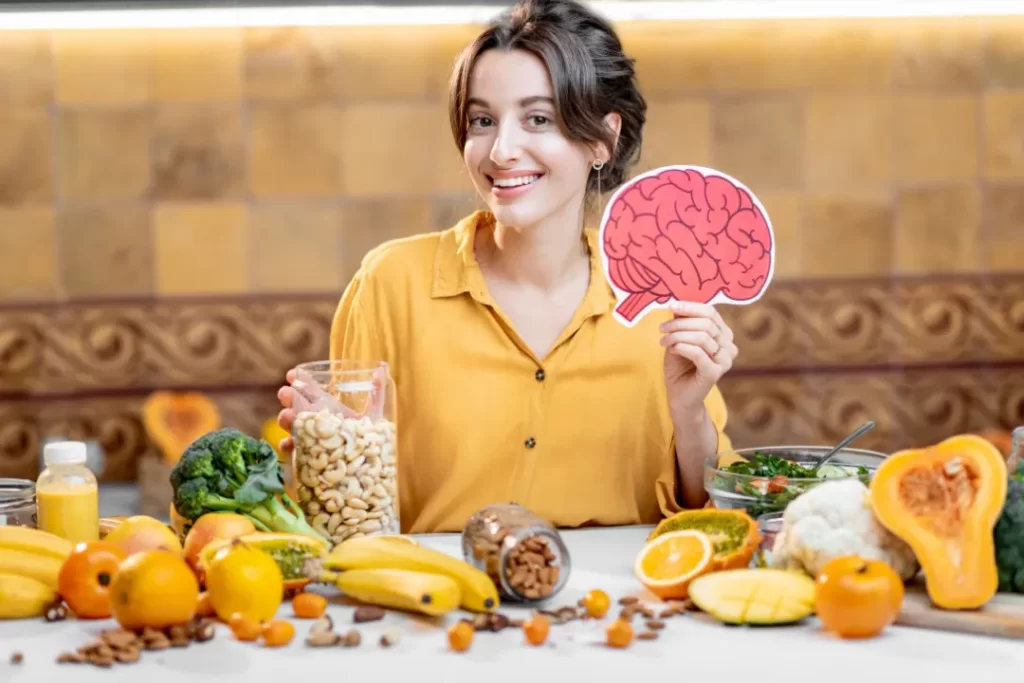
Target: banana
pixel 431 594
pixel 479 593
pixel 42 568
pixel 24 598
pixel 34 541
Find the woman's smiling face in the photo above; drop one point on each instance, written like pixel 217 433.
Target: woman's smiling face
pixel 519 159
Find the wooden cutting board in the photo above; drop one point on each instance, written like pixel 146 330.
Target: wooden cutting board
pixel 1002 616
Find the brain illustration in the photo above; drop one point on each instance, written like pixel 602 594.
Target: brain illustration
pixel 685 234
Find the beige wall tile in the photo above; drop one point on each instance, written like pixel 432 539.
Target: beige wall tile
pixel 938 230
pixel 854 54
pixel 740 63
pixel 677 132
pixel 26 68
pixel 201 248
pixel 672 58
pixel 198 152
pixel 101 67
pixel 785 210
pixel 940 53
pixel 1004 134
pixel 1003 245
pixel 935 138
pixel 292 63
pixel 446 43
pixel 370 74
pixel 295 247
pixel 847 236
pixel 848 141
pixel 200 65
pixel 368 223
pixel 104 153
pixel 378 158
pixel 105 249
pixel 26 174
pixel 295 150
pixel 28 259
pixel 759 141
pixel 1004 50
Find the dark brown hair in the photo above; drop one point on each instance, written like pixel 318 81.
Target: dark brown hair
pixel 590 74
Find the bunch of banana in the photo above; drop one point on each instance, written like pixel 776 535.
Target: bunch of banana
pixel 405 576
pixel 30 562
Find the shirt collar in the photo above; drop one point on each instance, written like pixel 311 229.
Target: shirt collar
pixel 456 270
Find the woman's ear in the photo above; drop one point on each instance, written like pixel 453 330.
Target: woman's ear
pixel 614 123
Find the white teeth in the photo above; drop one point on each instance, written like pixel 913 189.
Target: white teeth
pixel 515 182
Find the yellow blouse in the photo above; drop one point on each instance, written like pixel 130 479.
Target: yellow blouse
pixel 581 437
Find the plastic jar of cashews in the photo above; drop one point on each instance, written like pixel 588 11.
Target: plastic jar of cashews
pixel 345 457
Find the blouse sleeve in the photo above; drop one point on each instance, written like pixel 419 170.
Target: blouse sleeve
pixel 669 487
pixel 354 334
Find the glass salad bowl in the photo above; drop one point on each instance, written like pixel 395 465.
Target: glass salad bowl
pixel 765 479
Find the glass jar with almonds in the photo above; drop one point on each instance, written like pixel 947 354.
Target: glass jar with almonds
pixel 345 457
pixel 523 554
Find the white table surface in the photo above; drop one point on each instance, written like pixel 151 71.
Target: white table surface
pixel 689 649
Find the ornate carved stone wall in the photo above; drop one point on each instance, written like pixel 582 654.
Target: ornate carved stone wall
pixel 924 358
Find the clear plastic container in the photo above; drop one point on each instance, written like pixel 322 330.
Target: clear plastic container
pixel 17 502
pixel 345 457
pixel 67 494
pixel 523 554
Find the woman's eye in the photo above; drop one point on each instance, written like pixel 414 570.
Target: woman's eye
pixel 480 121
pixel 539 120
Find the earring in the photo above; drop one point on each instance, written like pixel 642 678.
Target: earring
pixel 598 165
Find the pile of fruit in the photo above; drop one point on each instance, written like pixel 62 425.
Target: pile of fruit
pixel 846 549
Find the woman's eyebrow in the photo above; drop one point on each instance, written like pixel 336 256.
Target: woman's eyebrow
pixel 525 102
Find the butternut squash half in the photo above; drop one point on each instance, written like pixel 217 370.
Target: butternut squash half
pixel 173 420
pixel 943 501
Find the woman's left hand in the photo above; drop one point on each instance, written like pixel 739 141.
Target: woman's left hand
pixel 699 349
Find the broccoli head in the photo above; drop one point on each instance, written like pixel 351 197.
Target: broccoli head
pixel 194 498
pixel 228 471
pixel 1009 536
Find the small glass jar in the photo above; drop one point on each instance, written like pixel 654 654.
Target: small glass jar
pixel 18 503
pixel 523 554
pixel 345 456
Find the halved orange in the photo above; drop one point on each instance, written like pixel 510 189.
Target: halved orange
pixel 668 563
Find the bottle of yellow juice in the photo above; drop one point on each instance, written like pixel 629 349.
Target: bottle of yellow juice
pixel 67 494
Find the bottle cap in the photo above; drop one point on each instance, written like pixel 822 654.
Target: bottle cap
pixel 64 453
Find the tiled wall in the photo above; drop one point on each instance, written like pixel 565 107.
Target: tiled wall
pixel 237 163
pixel 269 160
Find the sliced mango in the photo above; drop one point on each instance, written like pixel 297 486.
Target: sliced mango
pixel 755 596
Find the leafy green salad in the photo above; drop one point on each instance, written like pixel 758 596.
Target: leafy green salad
pixel 780 480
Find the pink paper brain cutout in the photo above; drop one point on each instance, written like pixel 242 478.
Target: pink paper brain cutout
pixel 685 234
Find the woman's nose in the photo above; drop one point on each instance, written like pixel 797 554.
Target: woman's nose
pixel 507 145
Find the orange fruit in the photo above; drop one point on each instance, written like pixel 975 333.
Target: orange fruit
pixel 154 589
pixel 668 564
pixel 140 533
pixel 244 580
pixel 857 597
pixel 309 605
pixel 619 633
pixel 277 632
pixel 85 577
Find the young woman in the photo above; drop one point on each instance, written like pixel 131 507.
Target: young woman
pixel 514 380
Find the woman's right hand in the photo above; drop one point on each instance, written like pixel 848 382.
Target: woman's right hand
pixel 287 416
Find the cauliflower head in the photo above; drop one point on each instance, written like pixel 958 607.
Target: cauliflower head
pixel 835 519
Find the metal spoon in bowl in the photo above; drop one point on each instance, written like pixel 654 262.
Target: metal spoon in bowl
pixel 857 433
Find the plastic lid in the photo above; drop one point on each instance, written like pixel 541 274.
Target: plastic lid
pixel 64 453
